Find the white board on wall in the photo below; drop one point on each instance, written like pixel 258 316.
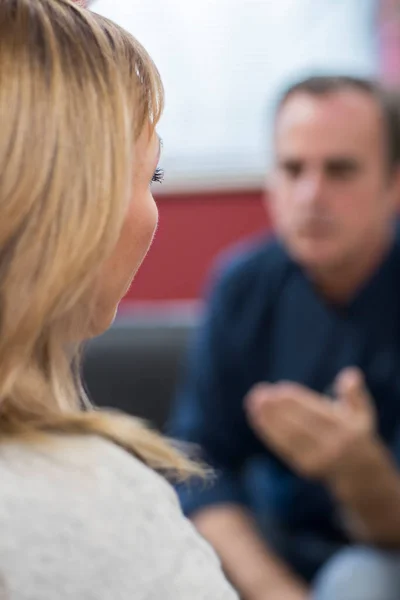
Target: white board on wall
pixel 223 62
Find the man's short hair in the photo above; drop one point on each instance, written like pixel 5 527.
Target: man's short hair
pixel 388 102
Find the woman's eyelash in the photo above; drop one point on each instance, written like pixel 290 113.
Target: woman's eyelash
pixel 158 175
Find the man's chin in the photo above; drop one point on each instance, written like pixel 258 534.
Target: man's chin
pixel 315 255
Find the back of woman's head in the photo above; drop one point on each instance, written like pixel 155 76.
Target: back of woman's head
pixel 75 90
pixel 75 93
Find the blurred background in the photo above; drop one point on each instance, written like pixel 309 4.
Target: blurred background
pixel 223 64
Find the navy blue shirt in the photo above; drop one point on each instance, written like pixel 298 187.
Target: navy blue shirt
pixel 265 321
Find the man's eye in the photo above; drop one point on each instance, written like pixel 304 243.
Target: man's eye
pixel 341 171
pixel 293 170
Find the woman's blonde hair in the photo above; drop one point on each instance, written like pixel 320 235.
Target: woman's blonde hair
pixel 75 93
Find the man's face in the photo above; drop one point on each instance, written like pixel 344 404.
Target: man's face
pixel 331 193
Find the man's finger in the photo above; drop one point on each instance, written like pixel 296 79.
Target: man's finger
pixel 302 404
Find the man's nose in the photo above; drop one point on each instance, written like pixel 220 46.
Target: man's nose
pixel 310 189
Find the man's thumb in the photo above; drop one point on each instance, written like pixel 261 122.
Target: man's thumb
pixel 351 389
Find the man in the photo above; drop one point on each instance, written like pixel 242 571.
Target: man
pixel 293 386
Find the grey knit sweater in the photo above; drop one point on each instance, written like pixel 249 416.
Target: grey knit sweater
pixel 80 519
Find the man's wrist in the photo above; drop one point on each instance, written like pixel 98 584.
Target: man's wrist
pixel 363 466
pixel 369 482
pixel 368 491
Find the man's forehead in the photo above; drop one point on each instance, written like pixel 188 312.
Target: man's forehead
pixel 335 123
pixel 344 108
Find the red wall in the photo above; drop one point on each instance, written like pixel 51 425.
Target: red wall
pixel 193 229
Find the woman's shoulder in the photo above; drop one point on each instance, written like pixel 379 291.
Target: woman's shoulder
pixel 81 458
pixel 85 493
